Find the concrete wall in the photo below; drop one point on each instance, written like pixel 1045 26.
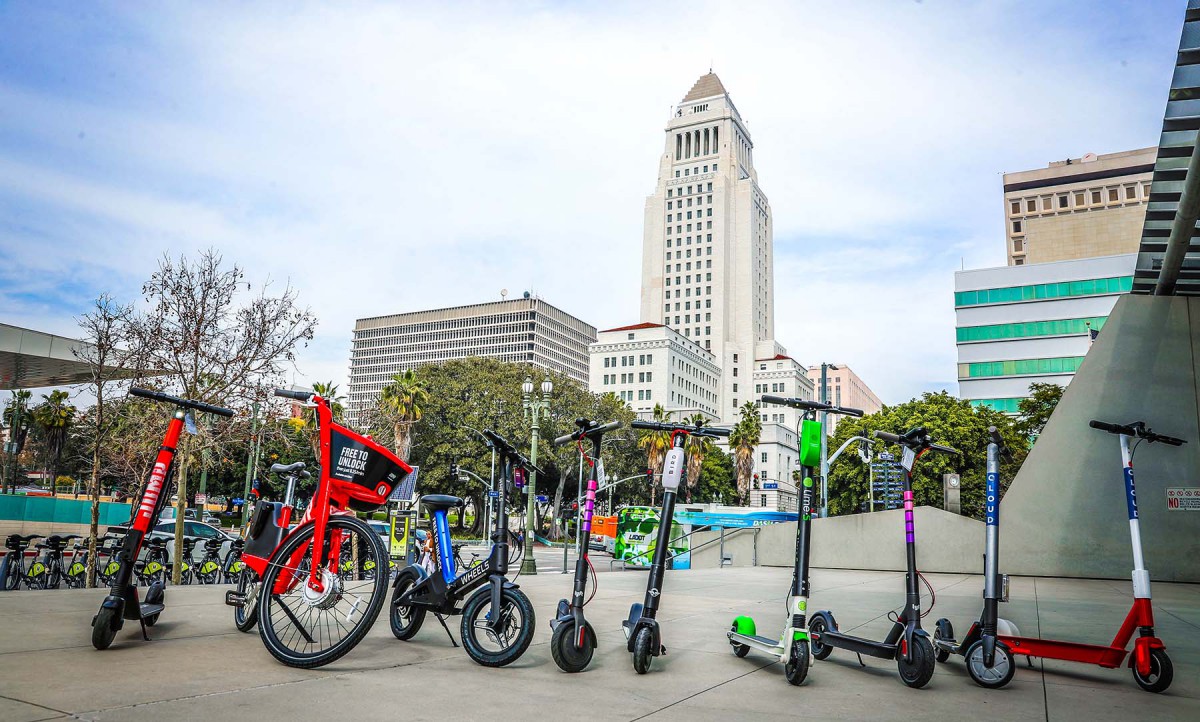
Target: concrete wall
pixel 1065 514
pixel 739 544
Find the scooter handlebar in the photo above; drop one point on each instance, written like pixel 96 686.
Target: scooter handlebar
pixel 294 395
pixel 586 430
pixel 186 403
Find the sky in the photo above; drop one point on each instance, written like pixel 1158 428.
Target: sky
pixel 391 157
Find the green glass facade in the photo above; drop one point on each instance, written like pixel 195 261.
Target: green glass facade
pixel 1021 367
pixel 1005 406
pixel 1042 291
pixel 1029 329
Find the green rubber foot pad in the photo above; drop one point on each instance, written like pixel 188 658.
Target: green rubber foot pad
pixel 744 625
pixel 797 636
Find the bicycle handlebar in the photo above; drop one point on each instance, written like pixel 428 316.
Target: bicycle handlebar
pixel 681 428
pixel 995 438
pixel 294 395
pixel 510 451
pixel 807 405
pixel 1138 429
pixel 586 430
pixel 186 403
pixel 916 439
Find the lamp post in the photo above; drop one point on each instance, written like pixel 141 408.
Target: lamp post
pixel 535 407
pixel 825 440
pixel 250 462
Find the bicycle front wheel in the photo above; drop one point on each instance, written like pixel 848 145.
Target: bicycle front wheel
pixel 303 627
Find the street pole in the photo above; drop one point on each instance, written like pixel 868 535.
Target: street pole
pixel 534 408
pixel 824 442
pixel 250 462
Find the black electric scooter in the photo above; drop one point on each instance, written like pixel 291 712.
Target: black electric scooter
pixel 989 662
pixel 906 643
pixel 574 640
pixel 641 628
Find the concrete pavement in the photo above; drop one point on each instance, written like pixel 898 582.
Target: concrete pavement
pixel 200 668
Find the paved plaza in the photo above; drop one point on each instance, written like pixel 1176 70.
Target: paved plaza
pixel 200 668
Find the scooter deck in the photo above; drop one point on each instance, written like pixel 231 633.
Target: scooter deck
pixel 1107 657
pixel 765 641
pixel 851 643
pixel 149 609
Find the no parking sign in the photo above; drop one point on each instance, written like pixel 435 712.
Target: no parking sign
pixel 1183 498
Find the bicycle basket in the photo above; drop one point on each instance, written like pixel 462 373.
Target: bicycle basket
pixel 361 469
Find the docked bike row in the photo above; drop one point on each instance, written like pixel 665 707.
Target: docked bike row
pixel 314 589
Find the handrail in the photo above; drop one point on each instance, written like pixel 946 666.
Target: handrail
pixel 706 527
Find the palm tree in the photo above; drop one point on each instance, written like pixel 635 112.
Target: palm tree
pixel 54 417
pixel 743 439
pixel 656 444
pixel 697 448
pixel 329 392
pixel 401 402
pixel 16 417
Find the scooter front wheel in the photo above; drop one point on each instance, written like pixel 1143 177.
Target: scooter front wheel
pixel 567 656
pixel 919 671
pixel 999 674
pixel 246 616
pixel 796 670
pixel 503 643
pixel 1161 672
pixel 641 651
pixel 103 632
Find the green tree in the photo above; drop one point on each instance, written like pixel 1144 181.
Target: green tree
pixel 950 421
pixel 54 417
pixel 697 448
pixel 743 439
pixel 1033 412
pixel 17 419
pixel 402 401
pixel 718 478
pixel 655 443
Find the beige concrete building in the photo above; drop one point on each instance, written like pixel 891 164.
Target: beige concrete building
pixel 844 388
pixel 520 330
pixel 706 256
pixel 1078 208
pixel 648 363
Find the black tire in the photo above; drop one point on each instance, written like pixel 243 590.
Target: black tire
pixel 942 631
pixel 642 658
pixel 818 627
pixel 740 650
pixel 563 650
pixel 1161 672
pixel 796 669
pixel 916 674
pixel 10 579
pixel 246 616
pixel 519 622
pixel 999 674
pixel 102 628
pixel 406 619
pixel 274 621
pixel 209 577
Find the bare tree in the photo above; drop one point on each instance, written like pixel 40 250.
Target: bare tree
pixel 104 336
pixel 217 340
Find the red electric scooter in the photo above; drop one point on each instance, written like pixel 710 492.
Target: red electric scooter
pixel 1150 664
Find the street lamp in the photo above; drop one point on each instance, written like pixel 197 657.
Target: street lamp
pixel 825 439
pixel 535 408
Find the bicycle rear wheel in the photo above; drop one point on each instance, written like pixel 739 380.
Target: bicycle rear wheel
pixel 305 628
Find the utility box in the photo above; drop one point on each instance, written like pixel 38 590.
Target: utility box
pixel 952 484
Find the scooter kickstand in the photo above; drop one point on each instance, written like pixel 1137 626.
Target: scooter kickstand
pixel 145 636
pixel 442 621
pixel 860 662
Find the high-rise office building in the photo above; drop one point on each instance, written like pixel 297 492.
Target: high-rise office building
pixel 1078 208
pixel 521 330
pixel 844 388
pixel 706 255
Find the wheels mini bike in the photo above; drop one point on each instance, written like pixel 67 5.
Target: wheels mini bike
pixel 574 640
pixel 1152 668
pixel 642 632
pixel 497 617
pixel 906 642
pixel 122 602
pixel 989 661
pixel 792 646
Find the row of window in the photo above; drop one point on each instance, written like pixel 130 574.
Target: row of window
pixel 1040 291
pixel 1020 367
pixel 779 388
pixel 700 200
pixel 642 360
pixel 699 188
pixel 707 226
pixel 642 395
pixel 1077 199
pixel 678 216
pixel 1030 329
pixel 689 255
pixel 642 378
pixel 708 238
pixel 1004 406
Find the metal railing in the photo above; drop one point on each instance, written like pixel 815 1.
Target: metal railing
pixel 719 540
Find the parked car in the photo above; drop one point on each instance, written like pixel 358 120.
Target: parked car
pixel 384 530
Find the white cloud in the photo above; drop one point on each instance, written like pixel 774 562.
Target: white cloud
pixel 387 158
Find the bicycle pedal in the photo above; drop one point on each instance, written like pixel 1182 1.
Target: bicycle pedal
pixel 662 650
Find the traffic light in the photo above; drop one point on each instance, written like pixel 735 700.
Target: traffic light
pixel 453 470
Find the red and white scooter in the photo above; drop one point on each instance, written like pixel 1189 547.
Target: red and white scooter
pixel 1150 664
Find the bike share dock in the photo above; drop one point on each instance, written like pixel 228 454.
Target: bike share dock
pixel 198 667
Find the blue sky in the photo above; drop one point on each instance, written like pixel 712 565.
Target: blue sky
pixel 387 157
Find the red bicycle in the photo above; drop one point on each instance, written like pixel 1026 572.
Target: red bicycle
pixel 318 600
pixel 122 602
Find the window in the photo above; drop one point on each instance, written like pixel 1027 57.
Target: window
pixel 1062 201
pixel 1019 262
pixel 1095 196
pixel 1018 246
pixel 1064 289
pixel 1030 205
pixel 764 460
pixel 1029 329
pixel 1045 203
pixel 1112 195
pixel 1016 225
pixel 1021 367
pixel 1015 207
pixel 1079 199
pixel 1130 192
pixel 605 362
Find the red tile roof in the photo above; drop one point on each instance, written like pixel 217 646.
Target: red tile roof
pixel 635 327
pixel 778 357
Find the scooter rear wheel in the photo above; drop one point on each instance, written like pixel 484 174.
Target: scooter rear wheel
pixel 566 655
pixel 919 671
pixel 943 631
pixel 999 674
pixel 102 628
pixel 739 649
pixel 817 628
pixel 1161 672
pixel 246 616
pixel 642 658
pixel 796 670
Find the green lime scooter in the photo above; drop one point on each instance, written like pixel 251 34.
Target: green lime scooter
pixel 792 645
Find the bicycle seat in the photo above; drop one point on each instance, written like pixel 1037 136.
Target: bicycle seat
pixel 435 502
pixel 285 469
